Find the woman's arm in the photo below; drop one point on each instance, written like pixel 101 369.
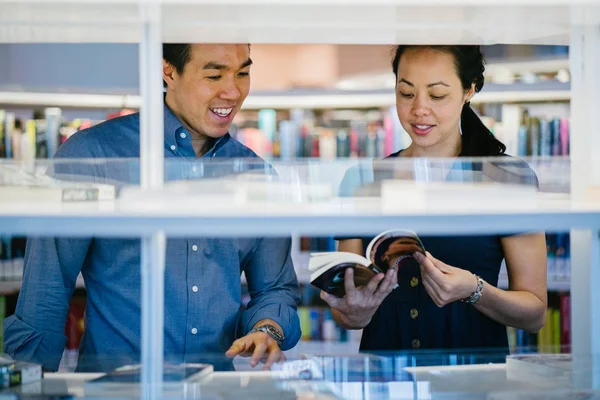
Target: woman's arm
pixel 522 306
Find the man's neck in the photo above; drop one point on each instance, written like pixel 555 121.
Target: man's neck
pixel 200 143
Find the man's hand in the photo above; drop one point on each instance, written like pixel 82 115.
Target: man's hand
pixel 258 345
pixel 359 305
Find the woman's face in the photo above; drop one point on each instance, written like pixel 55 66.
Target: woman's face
pixel 429 96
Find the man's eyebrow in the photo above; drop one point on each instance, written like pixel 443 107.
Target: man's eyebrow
pixel 215 65
pixel 246 63
pixel 220 67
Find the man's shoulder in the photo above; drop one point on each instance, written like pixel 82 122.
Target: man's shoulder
pixel 238 149
pixel 98 139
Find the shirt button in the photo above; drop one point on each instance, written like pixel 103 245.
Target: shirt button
pixel 414 313
pixel 415 343
pixel 173 147
pixel 194 331
pixel 194 169
pixel 194 248
pixel 195 289
pixel 414 281
pixel 182 135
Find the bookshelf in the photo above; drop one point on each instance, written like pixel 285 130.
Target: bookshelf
pixel 308 99
pixel 564 22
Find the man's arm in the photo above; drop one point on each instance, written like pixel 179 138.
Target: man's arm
pixel 274 290
pixel 36 331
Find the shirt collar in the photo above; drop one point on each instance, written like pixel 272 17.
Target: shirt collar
pixel 173 126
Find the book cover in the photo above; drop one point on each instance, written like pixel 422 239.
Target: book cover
pixel 390 249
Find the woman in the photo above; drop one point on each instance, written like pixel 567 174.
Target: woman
pixel 446 299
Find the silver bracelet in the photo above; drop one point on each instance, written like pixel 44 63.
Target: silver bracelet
pixel 476 295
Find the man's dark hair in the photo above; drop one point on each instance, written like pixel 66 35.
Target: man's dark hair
pixel 177 54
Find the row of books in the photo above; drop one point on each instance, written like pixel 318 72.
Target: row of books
pixel 372 134
pixel 543 137
pixel 554 337
pixel 376 134
pixel 12 251
pixel 40 136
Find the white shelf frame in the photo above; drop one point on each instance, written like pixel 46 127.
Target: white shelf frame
pixel 576 23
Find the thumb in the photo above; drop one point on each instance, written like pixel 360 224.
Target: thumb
pixel 330 299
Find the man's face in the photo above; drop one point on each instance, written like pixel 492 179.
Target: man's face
pixel 211 89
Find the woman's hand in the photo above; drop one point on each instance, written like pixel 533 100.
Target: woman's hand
pixel 359 305
pixel 445 283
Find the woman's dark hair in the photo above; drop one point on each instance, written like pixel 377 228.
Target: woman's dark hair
pixel 177 54
pixel 477 140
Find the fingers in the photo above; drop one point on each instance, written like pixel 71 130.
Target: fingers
pixel 439 264
pixel 275 355
pixel 331 300
pixel 259 351
pixel 349 281
pixel 428 268
pixel 237 348
pixel 387 285
pixel 373 284
pixel 433 293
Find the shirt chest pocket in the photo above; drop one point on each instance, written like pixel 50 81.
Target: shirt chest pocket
pixel 227 254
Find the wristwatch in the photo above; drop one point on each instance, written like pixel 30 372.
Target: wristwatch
pixel 271 331
pixel 476 295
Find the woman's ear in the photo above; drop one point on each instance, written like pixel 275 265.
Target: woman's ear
pixel 470 93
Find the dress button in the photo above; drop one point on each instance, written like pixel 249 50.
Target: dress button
pixel 173 147
pixel 195 289
pixel 415 344
pixel 194 331
pixel 194 248
pixel 414 313
pixel 182 135
pixel 414 281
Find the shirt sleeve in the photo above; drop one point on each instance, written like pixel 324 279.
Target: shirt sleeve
pixel 35 332
pixel 274 289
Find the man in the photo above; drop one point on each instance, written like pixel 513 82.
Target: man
pixel 205 88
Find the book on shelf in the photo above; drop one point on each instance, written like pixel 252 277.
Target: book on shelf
pixel 387 250
pixel 14 373
pixel 17 184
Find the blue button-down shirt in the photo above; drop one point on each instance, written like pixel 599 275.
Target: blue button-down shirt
pixel 203 290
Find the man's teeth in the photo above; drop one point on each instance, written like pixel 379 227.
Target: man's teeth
pixel 222 112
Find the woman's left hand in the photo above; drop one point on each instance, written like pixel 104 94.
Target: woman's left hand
pixel 445 283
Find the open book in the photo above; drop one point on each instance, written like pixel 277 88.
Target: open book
pixel 389 249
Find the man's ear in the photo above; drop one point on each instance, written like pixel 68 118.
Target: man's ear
pixel 169 73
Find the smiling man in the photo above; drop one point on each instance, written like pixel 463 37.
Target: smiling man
pixel 205 87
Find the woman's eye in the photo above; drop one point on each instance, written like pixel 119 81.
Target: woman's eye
pixel 406 95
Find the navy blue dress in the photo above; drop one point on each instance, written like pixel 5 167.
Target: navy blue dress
pixel 408 318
